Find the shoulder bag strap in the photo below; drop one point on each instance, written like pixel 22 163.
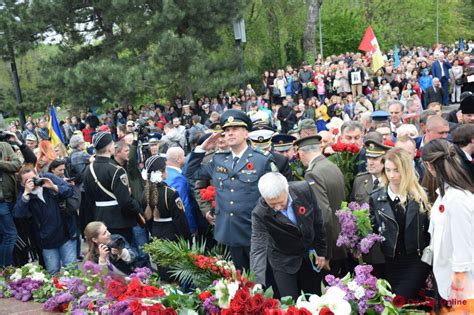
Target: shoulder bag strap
pixel 109 193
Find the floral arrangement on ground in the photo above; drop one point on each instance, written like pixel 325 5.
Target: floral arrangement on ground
pixel 92 289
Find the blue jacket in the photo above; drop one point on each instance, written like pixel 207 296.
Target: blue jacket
pixel 425 82
pixel 436 69
pixel 179 182
pixel 50 224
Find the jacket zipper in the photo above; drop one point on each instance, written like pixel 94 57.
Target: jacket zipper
pixel 398 228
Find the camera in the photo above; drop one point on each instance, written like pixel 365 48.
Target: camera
pixel 38 181
pixel 118 244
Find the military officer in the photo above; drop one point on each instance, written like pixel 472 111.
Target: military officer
pixel 327 183
pixel 283 144
pixel 235 175
pixel 365 182
pixel 108 192
pixel 261 139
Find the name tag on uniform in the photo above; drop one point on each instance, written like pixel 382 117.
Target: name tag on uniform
pixel 249 172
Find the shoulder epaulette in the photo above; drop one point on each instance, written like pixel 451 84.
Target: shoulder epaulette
pixel 222 152
pixel 362 173
pixel 265 153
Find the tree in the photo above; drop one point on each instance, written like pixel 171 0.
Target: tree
pixel 309 40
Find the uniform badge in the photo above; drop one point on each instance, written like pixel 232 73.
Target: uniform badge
pixel 179 204
pixel 221 169
pixel 124 179
pixel 230 119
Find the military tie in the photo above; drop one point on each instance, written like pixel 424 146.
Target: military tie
pixel 235 161
pixel 376 182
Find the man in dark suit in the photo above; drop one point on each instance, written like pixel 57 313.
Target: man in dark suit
pixel 435 93
pixel 288 230
pixel 440 70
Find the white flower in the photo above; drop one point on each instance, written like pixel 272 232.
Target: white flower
pixel 38 276
pixel 334 299
pixel 314 303
pixel 66 273
pixel 16 275
pixel 256 288
pixel 232 289
pixel 359 293
pixel 353 286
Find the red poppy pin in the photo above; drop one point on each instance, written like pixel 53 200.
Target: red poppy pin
pixel 441 208
pixel 249 166
pixel 302 210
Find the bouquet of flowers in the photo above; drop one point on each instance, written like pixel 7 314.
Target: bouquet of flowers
pixel 24 281
pixel 311 86
pixel 209 194
pixel 356 229
pixel 345 157
pixel 361 294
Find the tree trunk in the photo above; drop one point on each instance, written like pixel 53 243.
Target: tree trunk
pixel 309 39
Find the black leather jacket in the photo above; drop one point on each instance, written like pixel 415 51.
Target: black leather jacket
pixel 384 222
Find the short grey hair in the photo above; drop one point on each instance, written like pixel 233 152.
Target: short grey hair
pixel 272 185
pixel 351 126
pixel 75 141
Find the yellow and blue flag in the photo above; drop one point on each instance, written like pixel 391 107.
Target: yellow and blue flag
pixel 54 129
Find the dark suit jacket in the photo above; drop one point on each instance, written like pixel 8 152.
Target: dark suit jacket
pixel 285 244
pixel 283 164
pixel 434 96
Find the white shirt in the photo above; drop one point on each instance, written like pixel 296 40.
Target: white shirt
pixel 240 153
pixel 442 69
pixel 451 239
pixel 392 195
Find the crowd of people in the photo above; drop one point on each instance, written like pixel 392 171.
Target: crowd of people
pixel 130 174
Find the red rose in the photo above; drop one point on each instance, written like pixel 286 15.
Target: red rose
pixel 292 310
pixel 398 301
pixel 249 166
pixel 303 311
pixel 150 291
pixel 271 303
pixel 273 312
pixel 136 307
pixel 302 210
pixel 355 149
pixel 257 303
pixel 241 298
pixel 168 311
pixel 226 311
pixel 441 208
pixel 155 309
pixel 325 311
pixel 204 295
pixel 63 307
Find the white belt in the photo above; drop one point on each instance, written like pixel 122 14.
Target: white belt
pixel 106 203
pixel 163 220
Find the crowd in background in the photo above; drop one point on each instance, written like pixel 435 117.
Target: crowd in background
pixel 399 110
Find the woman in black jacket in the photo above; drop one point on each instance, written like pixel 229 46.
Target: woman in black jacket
pixel 399 213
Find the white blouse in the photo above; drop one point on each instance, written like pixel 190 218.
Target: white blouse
pixel 452 240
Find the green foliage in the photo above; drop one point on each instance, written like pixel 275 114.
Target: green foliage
pixel 43 293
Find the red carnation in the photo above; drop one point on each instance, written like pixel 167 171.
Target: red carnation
pixel 302 210
pixel 115 289
pixel 136 307
pixel 57 285
pixel 441 208
pixel 204 295
pixel 250 166
pixel 325 311
pixel 354 149
pixel 303 311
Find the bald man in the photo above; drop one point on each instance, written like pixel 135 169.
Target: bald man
pixel 436 127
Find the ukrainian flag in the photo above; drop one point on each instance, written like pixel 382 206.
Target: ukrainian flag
pixel 54 129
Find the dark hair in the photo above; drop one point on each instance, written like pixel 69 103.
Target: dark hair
pixel 463 135
pixel 442 155
pixel 55 164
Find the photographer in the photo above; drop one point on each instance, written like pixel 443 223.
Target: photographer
pixel 107 249
pixel 9 164
pixel 40 198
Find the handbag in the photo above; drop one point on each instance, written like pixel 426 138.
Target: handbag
pixel 427 256
pixel 458 81
pixel 276 92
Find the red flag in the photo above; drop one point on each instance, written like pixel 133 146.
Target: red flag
pixel 369 42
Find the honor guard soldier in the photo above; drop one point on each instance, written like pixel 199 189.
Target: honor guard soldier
pixel 107 190
pixel 261 139
pixel 235 175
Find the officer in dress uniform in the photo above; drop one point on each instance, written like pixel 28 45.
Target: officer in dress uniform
pixel 235 175
pixel 283 144
pixel 364 184
pixel 261 139
pixel 107 190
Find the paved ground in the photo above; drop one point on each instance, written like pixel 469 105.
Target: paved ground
pixel 12 306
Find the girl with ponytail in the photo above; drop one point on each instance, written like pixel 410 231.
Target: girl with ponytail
pixel 164 210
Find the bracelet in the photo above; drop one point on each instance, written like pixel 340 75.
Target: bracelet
pixel 455 288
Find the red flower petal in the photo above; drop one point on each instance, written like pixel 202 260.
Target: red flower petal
pixel 441 208
pixel 302 210
pixel 250 166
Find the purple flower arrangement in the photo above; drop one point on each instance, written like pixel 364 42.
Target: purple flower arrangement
pixel 142 274
pixel 22 289
pixel 365 290
pixel 356 229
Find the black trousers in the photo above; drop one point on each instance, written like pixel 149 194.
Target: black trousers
pixel 306 280
pixel 240 256
pixel 406 274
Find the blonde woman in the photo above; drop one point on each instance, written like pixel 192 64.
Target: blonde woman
pixel 280 83
pixel 108 250
pixel 452 223
pixel 61 151
pixel 399 213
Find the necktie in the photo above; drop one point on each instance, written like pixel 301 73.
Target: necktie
pixel 376 182
pixel 235 160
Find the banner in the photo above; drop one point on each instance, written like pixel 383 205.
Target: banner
pixel 370 44
pixel 54 129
